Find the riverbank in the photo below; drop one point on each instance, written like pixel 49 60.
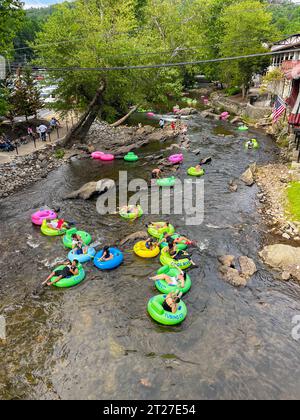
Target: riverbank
pixel 22 171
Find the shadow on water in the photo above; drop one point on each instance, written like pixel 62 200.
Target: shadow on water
pixel 97 341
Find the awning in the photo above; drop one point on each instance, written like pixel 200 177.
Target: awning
pixel 294 101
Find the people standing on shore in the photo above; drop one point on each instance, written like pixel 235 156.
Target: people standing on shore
pixel 42 130
pixel 162 123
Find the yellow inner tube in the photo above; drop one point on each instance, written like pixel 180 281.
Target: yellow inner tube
pixel 141 250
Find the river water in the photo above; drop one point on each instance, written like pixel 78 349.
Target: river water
pixel 97 341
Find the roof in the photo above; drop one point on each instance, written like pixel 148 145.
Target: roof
pixel 287 43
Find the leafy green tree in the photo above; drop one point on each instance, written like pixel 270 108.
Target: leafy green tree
pixel 286 17
pixel 245 33
pixel 11 15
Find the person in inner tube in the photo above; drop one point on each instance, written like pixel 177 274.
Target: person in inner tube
pixel 151 244
pixel 107 255
pixel 172 301
pixel 69 270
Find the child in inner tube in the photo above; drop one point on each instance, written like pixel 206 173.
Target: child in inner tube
pixel 107 255
pixel 172 301
pixel 250 144
pixel 57 224
pixel 69 270
pixel 77 245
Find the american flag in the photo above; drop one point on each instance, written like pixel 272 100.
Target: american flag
pixel 279 108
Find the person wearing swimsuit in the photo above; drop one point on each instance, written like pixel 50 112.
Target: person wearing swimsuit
pixel 172 281
pixel 70 269
pixel 171 302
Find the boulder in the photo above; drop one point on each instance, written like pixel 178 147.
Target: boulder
pixel 227 260
pixel 134 237
pixel 233 277
pixel 280 256
pixel 187 111
pixel 248 267
pixel 248 177
pixel 92 188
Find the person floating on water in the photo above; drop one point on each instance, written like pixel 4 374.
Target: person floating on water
pixel 131 210
pixel 178 281
pixel 250 144
pixel 77 245
pixel 57 224
pixel 107 255
pixel 171 302
pixel 176 254
pixel 158 226
pixel 156 173
pixel 70 269
pixel 151 244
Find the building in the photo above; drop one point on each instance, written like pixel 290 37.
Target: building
pixel 288 60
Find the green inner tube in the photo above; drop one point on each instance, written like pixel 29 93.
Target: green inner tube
pixel 131 157
pixel 166 182
pixel 157 312
pixel 156 233
pixel 243 128
pixel 131 216
pixel 166 259
pixel 180 247
pixel 165 288
pixel 70 281
pixel 67 239
pixel 255 145
pixel 193 172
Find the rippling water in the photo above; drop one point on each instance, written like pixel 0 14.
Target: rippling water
pixel 97 341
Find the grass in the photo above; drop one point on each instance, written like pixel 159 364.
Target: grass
pixel 59 154
pixel 293 196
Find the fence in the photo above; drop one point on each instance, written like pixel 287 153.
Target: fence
pixel 54 134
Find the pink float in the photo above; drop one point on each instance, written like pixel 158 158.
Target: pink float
pixel 41 215
pixel 97 155
pixel 224 116
pixel 176 158
pixel 150 114
pixel 107 157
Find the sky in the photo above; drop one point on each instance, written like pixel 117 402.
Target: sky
pixel 40 3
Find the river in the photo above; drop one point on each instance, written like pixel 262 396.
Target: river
pixel 97 341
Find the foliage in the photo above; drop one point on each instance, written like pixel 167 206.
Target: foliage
pixel 59 154
pixel 23 95
pixel 286 17
pixel 236 41
pixel 235 90
pixel 293 197
pixel 11 15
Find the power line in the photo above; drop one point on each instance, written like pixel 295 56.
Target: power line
pixel 165 65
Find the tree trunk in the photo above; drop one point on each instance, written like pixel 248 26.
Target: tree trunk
pixel 122 120
pixel 79 132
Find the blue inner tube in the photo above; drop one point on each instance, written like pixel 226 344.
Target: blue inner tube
pixel 82 258
pixel 109 265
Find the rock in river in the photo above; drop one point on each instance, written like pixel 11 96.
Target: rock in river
pixel 92 188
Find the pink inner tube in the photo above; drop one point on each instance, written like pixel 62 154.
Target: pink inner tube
pixel 97 155
pixel 150 114
pixel 176 158
pixel 38 217
pixel 107 157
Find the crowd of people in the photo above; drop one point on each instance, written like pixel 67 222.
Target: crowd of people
pixel 33 134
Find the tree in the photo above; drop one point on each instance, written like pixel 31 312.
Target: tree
pixel 24 96
pixel 109 33
pixel 245 33
pixel 286 17
pixel 11 15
